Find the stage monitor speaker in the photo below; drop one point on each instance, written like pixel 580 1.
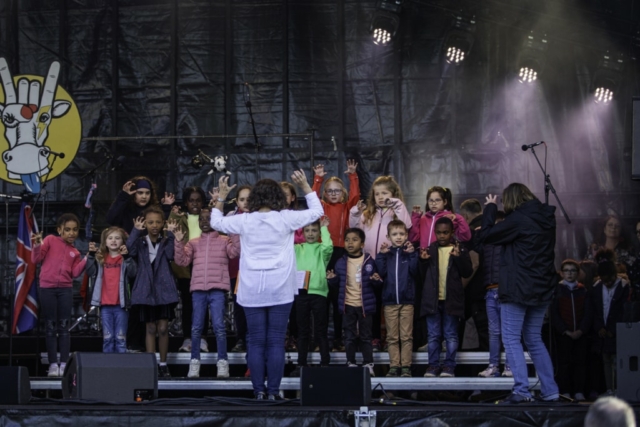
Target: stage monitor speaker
pixel 635 139
pixel 335 386
pixel 16 388
pixel 111 377
pixel 628 355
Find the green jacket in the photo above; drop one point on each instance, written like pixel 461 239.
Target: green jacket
pixel 314 257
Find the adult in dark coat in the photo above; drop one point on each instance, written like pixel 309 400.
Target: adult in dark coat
pixel 527 281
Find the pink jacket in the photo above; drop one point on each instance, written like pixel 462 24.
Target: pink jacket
pixel 210 254
pixel 423 228
pixel 61 262
pixel 376 230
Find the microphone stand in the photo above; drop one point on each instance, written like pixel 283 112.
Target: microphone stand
pixel 549 187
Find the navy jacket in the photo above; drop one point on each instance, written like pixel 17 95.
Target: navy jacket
pixel 122 212
pixel 458 268
pixel 154 285
pixel 528 237
pixel 367 294
pixel 398 270
pixel 491 264
pixel 596 315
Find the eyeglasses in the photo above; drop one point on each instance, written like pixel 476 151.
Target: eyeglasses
pixel 434 201
pixel 337 191
pixel 570 271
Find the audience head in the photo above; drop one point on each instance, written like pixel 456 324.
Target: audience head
pixel 515 195
pixel 354 241
pixel 569 270
pixel 334 191
pixel 312 232
pixel 194 199
pixel 397 233
pixel 439 199
pixel 242 198
pixel 444 231
pixel 470 209
pixel 204 220
pixel 267 193
pixel 610 412
pixel 68 226
pixel 290 195
pixel 146 193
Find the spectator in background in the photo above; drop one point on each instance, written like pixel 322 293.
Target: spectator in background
pixel 610 412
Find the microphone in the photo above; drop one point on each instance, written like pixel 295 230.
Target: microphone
pixel 45 151
pixel 526 147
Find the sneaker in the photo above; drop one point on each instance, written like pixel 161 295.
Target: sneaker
pixel 490 372
pixel 54 370
pixel 370 367
pixel 163 371
pixel 448 371
pixel 338 345
pixel 223 368
pixel 423 349
pixel 376 345
pixel 204 347
pixel 579 397
pixel 507 372
pixel 394 371
pixel 296 372
pixel 432 371
pixel 61 370
pixel 351 365
pixel 275 397
pixel 194 369
pixel 514 399
pixel 405 372
pixel 135 350
pixel 239 347
pixel 261 396
pixel 186 345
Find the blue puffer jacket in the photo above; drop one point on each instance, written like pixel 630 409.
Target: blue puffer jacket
pixel 398 270
pixel 367 295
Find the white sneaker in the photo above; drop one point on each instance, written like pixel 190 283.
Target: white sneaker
pixel 204 347
pixel 370 367
pixel 423 349
pixel 54 370
pixel 223 368
pixel 194 369
pixel 61 370
pixel 579 397
pixel 490 371
pixel 186 345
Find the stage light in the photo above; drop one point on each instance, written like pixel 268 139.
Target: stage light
pixel 386 21
pixel 531 59
pixel 459 39
pixel 607 78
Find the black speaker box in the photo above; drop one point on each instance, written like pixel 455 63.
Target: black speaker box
pixel 627 354
pixel 111 377
pixel 15 388
pixel 335 386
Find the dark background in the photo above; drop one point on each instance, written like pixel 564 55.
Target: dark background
pixel 187 67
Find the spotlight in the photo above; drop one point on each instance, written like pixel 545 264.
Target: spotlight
pixel 386 21
pixel 528 71
pixel 531 58
pixel 607 78
pixel 459 39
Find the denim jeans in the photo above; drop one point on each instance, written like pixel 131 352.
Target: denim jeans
pixel 266 332
pixel 55 306
pixel 526 321
pixel 493 313
pixel 439 325
pixel 114 328
pixel 215 301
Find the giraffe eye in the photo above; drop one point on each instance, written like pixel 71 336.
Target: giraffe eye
pixel 44 118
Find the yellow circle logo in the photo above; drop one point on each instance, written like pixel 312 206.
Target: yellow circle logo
pixel 40 127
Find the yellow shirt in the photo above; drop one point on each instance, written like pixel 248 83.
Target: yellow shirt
pixel 194 226
pixel 353 290
pixel 444 252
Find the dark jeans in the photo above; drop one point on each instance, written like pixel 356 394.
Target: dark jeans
pixel 572 363
pixel 55 304
pixel 334 293
pixel 215 302
pixel 306 306
pixel 441 325
pixel 354 322
pixel 266 331
pixel 136 330
pixel 239 317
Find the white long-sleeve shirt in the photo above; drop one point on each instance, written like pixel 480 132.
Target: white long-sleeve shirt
pixel 267 262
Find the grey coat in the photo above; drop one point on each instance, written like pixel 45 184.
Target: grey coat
pixel 127 276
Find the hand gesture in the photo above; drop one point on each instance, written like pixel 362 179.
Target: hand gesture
pixel 176 210
pixel 409 248
pixel 351 167
pixel 178 233
pixel 491 199
pixel 376 277
pixel 172 224
pixel 456 249
pixel 361 206
pixel 214 193
pixel 452 216
pixel 139 223
pixel 417 210
pixel 93 247
pixel 300 179
pixel 324 221
pixel 391 203
pixel 223 187
pixel 424 253
pixel 331 274
pixel 122 250
pixel 168 199
pixel 384 248
pixel 319 170
pixel 36 238
pixel 128 187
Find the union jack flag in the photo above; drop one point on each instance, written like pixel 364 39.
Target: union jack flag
pixel 25 309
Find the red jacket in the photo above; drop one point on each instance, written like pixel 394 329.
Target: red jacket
pixel 61 262
pixel 338 213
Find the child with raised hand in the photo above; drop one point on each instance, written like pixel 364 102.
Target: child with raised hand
pixel 61 263
pixel 439 204
pixel 313 257
pixel 210 254
pixel 398 265
pixel 443 266
pixel 355 276
pixel 154 289
pixel 112 272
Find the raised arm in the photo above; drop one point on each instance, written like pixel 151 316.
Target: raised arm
pixel 183 253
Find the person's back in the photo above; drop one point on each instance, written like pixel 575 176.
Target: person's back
pixel 611 412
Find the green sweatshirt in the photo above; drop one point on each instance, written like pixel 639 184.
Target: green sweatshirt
pixel 314 257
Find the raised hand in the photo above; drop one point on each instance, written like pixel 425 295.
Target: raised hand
pixel 139 223
pixel 93 247
pixel 223 187
pixel 384 248
pixel 417 209
pixel 319 170
pixel 36 238
pixel 331 274
pixel 168 199
pixel 456 249
pixel 324 221
pixel 214 193
pixel 178 233
pixel 300 179
pixel 424 253
pixel 177 210
pixel 351 166
pixel 128 187
pixel 409 248
pixel 491 199
pixel 452 216
pixel 361 206
pixel 172 224
pixel 122 250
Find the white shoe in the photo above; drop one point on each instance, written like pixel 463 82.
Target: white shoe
pixel 186 345
pixel 194 369
pixel 54 370
pixel 490 371
pixel 579 397
pixel 61 370
pixel 204 347
pixel 507 372
pixel 423 349
pixel 370 367
pixel 223 368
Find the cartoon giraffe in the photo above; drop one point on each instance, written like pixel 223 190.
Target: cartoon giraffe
pixel 26 118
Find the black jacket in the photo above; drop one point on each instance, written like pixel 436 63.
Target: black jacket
pixel 596 315
pixel 459 267
pixel 528 238
pixel 475 290
pixel 491 255
pixel 398 270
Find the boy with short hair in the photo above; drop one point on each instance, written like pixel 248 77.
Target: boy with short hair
pixel 398 265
